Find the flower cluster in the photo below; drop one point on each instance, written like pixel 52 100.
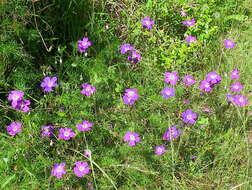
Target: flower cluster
pixel 84 44
pixel 87 89
pixel 80 169
pixel 237 99
pixel 134 57
pixel 211 80
pixel 17 101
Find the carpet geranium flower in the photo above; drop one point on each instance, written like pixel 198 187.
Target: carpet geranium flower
pixel 189 23
pixel 213 78
pixel 171 77
pixel 183 13
pixel 81 169
pixel 49 83
pixel 15 96
pixel 159 150
pixel 58 170
pixel 88 89
pixel 189 80
pixel 84 44
pixel 14 128
pixel 134 57
pixel 171 133
pixel 132 138
pixel 240 100
pixel 236 87
pixel 147 22
pixel 87 153
pixel 190 39
pixel 229 44
pixel 130 96
pixel 84 126
pixel 125 48
pixel 189 116
pixel 66 133
pixel 168 92
pixel 205 86
pixel 235 74
pixel 47 131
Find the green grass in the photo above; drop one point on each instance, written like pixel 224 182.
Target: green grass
pixel 39 39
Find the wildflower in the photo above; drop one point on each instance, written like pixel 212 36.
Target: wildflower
pixel 236 87
pixel 189 80
pixel 159 150
pixel 205 86
pixel 190 39
pixel 66 134
pixel 125 48
pixel 213 78
pixel 189 23
pixel 168 92
pixel 58 170
pixel 49 83
pixel 134 57
pixel 84 126
pixel 171 77
pixel 15 96
pixel 171 133
pixel 189 116
pixel 240 100
pixel 132 138
pixel 87 153
pixel 81 169
pixel 14 128
pixel 230 98
pixel 193 157
pixel 88 89
pixel 84 44
pixel 229 44
pixel 22 105
pixel 130 96
pixel 47 131
pixel 235 74
pixel 147 22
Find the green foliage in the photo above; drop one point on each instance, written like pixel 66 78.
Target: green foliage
pixel 39 38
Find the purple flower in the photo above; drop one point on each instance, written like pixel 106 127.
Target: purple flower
pixel 171 133
pixel 189 23
pixel 235 74
pixel 47 131
pixel 130 96
pixel 84 44
pixel 171 77
pixel 168 92
pixel 88 89
pixel 183 14
pixel 213 78
pixel 87 153
pixel 49 83
pixel 194 157
pixel 236 87
pixel 84 126
pixel 189 116
pixel 125 48
pixel 132 138
pixel 229 44
pixel 15 96
pixel 190 39
pixel 66 133
pixel 58 170
pixel 189 80
pixel 81 169
pixel 205 86
pixel 186 102
pixel 134 57
pixel 147 22
pixel 159 150
pixel 14 128
pixel 22 105
pixel 240 100
pixel 230 98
